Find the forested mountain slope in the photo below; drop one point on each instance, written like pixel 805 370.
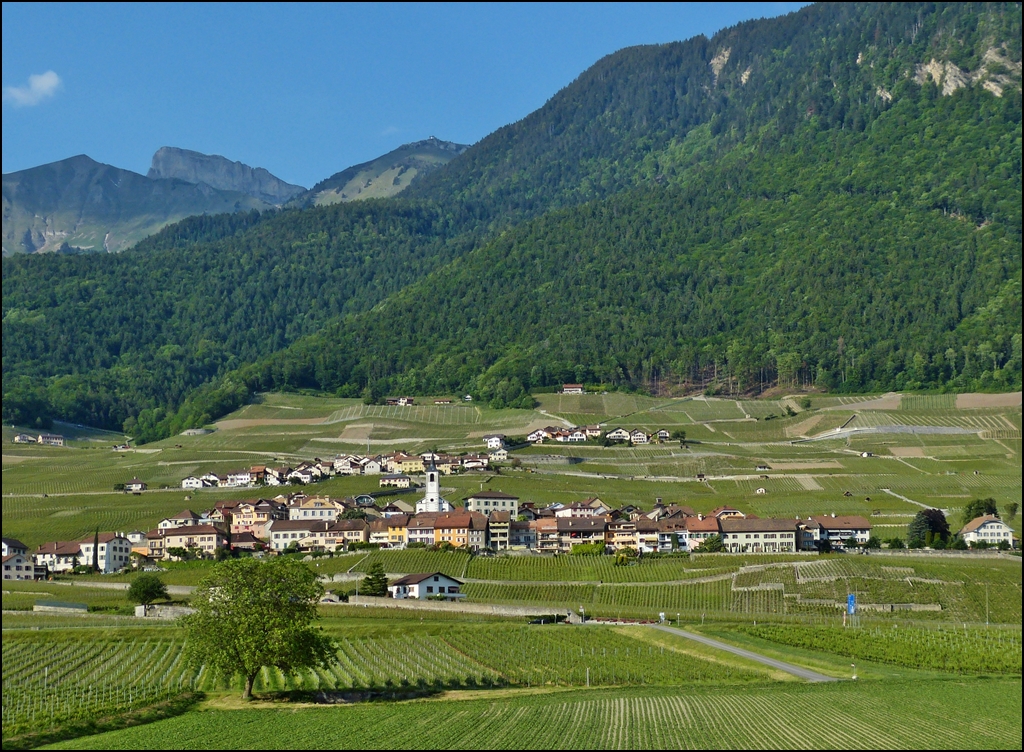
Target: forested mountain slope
pixel 832 196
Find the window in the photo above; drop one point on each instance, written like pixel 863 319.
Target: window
pixel 430 588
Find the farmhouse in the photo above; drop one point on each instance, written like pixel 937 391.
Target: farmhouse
pixel 433 585
pixel 192 483
pixel 498 455
pixel 51 439
pixel 494 440
pixel 572 389
pixel 23 438
pixel 838 530
pixel 468 530
pixel 135 486
pixel 254 516
pixel 63 556
pixel 421 528
pixel 205 539
pixel 315 508
pixel 989 529
pixel 617 434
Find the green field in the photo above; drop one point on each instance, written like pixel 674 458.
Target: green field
pixel 900 714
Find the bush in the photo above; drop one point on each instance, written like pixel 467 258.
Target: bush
pixel 147 588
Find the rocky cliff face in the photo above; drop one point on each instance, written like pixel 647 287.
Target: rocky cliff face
pixel 221 173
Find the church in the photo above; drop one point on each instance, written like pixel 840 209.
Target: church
pixel 433 502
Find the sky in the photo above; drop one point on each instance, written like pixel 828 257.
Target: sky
pixel 303 90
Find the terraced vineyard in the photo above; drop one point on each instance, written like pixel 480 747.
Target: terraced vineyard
pixel 415 560
pixel 859 715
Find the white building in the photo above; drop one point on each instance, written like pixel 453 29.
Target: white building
pixel 113 551
pixel 192 483
pixel 18 567
pixel 989 529
pixel 495 440
pixel 433 502
pixel 421 586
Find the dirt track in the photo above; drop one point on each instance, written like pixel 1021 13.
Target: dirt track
pixel 967 401
pixel 230 425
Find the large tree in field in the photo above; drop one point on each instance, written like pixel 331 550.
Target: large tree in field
pixel 147 588
pixel 928 521
pixel 251 613
pixel 979 508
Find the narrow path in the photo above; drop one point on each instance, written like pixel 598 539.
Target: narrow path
pixel 910 501
pixel 171 589
pixel 789 668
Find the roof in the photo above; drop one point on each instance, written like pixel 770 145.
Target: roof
pixel 60 548
pixel 416 579
pixel 348 525
pixel 977 522
pixel 500 517
pixel 239 539
pixel 492 495
pixel 585 524
pixel 771 525
pixel 14 543
pixel 103 537
pixel 847 522
pixel 722 510
pixel 705 525
pixel 188 514
pixel 193 530
pixel 15 556
pixel 319 526
pixel 397 520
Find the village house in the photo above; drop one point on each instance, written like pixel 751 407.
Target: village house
pixel 575 531
pixel 135 486
pixel 192 483
pixel 407 463
pixel 462 530
pixel 475 462
pixel 989 529
pixel 182 519
pixel 592 432
pixel 315 508
pixel 343 533
pixel 395 480
pixel 620 534
pixel 836 529
pixel 20 567
pixel 24 438
pixel 494 440
pixel 636 436
pixel 548 540
pixel 487 502
pixel 753 535
pixel 304 474
pixel 63 556
pixel 699 529
pixel 304 534
pixel 421 528
pixel 246 542
pixel 721 513
pixel 277 476
pixel 12 546
pixel 433 585
pixel 398 530
pixel 661 435
pixel 617 434
pixel 498 455
pixel 203 539
pixel 400 401
pixel 572 389
pixel 648 536
pixel 254 516
pixel 586 508
pixel 521 534
pixel 673 534
pixel 51 439
pixel 378 533
pixel 498 524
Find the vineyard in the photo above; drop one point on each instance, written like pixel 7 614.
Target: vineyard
pixel 50 681
pixel 451 563
pixel 845 715
pixel 959 650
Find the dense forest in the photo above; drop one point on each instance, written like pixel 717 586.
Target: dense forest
pixel 798 201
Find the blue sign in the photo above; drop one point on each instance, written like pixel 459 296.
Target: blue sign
pixel 851 604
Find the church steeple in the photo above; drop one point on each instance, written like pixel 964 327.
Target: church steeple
pixel 433 483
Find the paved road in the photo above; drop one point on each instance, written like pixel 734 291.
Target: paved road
pixel 789 668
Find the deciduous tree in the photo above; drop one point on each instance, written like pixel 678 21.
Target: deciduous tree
pixel 251 613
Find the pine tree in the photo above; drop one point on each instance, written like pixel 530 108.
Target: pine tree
pixel 375 582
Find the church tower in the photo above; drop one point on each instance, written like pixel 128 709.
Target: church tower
pixel 433 502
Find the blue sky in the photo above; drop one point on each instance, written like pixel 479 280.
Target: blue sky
pixel 303 90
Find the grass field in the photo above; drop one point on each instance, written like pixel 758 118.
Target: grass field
pixel 845 715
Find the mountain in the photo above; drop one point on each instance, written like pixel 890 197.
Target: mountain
pixel 832 198
pixel 221 173
pixel 384 176
pixel 84 204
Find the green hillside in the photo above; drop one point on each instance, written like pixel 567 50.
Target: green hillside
pixel 383 177
pixel 829 198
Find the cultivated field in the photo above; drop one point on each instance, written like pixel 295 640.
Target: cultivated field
pixel 893 715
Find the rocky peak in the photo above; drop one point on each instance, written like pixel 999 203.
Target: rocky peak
pixel 218 172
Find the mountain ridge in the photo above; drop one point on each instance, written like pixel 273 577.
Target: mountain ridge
pixel 221 173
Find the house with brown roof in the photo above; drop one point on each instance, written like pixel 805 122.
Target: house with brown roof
pixel 182 519
pixel 255 516
pixel 836 529
pixel 205 539
pixel 753 535
pixel 988 529
pixel 498 524
pixel 20 567
pixel 421 528
pixel 580 531
pixel 467 529
pixel 521 534
pixel 572 389
pixel 698 530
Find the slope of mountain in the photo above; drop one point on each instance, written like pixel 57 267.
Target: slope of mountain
pixel 383 177
pixel 85 204
pixel 832 197
pixel 221 173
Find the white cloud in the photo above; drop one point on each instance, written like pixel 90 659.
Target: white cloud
pixel 40 86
